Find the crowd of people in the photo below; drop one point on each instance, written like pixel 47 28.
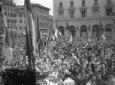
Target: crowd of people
pixel 85 60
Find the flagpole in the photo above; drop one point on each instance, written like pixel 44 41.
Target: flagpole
pixel 30 67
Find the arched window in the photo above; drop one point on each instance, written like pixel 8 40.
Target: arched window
pixel 108 31
pixel 95 31
pixel 72 30
pixel 83 32
pixel 61 29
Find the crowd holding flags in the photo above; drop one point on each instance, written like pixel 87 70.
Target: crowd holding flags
pixel 59 35
pixel 85 59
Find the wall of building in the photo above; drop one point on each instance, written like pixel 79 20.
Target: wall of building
pixel 21 20
pixel 10 13
pixel 41 16
pixel 89 20
pixel 77 4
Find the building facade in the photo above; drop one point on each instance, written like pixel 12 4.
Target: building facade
pixel 21 20
pixel 10 12
pixel 41 16
pixel 85 18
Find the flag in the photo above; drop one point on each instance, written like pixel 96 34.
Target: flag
pixel 56 33
pixel 103 36
pixel 30 34
pixel 38 36
pixel 68 34
pixel 71 39
pixel 59 33
pixel 57 30
pixel 53 35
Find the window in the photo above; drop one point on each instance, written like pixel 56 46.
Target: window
pixel 83 13
pixel 5 13
pixel 61 10
pixel 83 2
pixel 108 1
pixel 83 9
pixel 71 10
pixel 21 21
pixel 108 11
pixel 20 15
pixel 108 31
pixel 5 8
pixel 11 27
pixel 60 4
pixel 11 14
pixel 108 7
pixel 8 20
pixel 15 21
pixel 95 11
pixel 95 2
pixel 20 27
pixel 83 32
pixel 71 3
pixel 14 15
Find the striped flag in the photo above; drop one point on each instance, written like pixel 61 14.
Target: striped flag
pixel 56 32
pixel 30 34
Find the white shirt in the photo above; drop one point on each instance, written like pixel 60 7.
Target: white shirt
pixel 69 81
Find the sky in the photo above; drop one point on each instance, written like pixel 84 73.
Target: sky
pixel 46 3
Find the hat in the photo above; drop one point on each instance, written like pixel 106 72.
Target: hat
pixel 67 71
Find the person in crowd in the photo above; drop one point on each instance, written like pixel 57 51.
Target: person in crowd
pixel 112 80
pixel 92 81
pixel 68 80
pixel 60 81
